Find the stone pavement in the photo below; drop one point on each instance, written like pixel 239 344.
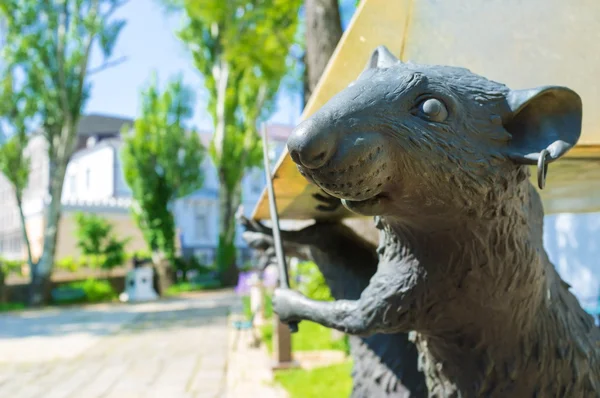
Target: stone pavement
pixel 249 372
pixel 171 348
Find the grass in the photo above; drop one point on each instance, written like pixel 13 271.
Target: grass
pixel 185 287
pixel 333 381
pixel 268 306
pixel 310 337
pixel 330 381
pixel 6 307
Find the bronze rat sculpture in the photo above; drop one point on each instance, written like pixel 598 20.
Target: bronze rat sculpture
pixel 440 156
pixel 383 365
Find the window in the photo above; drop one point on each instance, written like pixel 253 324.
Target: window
pixel 201 224
pixel 73 184
pixel 12 244
pixel 204 256
pixel 88 174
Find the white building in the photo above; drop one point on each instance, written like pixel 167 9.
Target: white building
pixel 94 182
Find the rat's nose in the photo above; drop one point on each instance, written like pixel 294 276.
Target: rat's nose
pixel 310 145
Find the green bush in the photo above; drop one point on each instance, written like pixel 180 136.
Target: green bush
pixel 247 266
pixel 98 242
pixel 141 254
pixel 92 291
pixel 70 264
pixel 202 269
pixel 8 267
pixel 184 287
pixel 98 290
pixel 185 265
pixel 5 307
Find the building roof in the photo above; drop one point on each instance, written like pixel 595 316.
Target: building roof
pixel 276 132
pixel 95 124
pixel 114 143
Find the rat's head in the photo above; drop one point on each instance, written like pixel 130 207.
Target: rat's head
pixel 406 138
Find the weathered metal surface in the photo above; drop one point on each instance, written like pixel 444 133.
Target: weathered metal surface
pixel 437 154
pixel 522 44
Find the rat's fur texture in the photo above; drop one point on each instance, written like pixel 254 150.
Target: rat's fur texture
pixel 383 365
pixel 440 156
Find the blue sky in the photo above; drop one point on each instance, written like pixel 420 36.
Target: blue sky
pixel 149 42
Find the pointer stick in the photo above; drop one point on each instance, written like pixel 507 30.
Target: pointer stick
pixel 284 281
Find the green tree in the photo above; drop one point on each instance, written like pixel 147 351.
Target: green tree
pixel 98 242
pixel 16 110
pixel 241 48
pixel 48 44
pixel 162 161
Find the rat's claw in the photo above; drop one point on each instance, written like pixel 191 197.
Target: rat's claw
pixel 244 221
pixel 328 202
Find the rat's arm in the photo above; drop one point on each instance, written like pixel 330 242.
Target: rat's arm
pixel 382 307
pixel 383 304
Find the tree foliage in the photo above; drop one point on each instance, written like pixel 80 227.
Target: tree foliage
pixel 16 113
pixel 98 242
pixel 47 46
pixel 241 47
pixel 162 160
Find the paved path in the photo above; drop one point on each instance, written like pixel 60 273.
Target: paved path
pixel 171 349
pixel 249 372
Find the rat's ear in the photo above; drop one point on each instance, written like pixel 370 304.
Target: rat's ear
pixel 546 117
pixel 381 58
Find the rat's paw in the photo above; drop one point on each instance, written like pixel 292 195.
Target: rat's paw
pixel 327 203
pixel 286 303
pixel 257 240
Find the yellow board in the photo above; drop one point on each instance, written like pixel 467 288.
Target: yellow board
pixel 519 43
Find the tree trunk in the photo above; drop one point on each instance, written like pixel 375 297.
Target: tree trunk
pixel 323 32
pixel 39 287
pixel 26 240
pixel 229 201
pixel 42 271
pixel 161 265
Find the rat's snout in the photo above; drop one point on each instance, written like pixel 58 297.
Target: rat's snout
pixel 312 144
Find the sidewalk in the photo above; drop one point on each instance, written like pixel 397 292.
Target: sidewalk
pixel 249 372
pixel 173 348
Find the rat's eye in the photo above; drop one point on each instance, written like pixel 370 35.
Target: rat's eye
pixel 433 109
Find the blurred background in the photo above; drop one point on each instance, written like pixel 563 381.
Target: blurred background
pixel 130 148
